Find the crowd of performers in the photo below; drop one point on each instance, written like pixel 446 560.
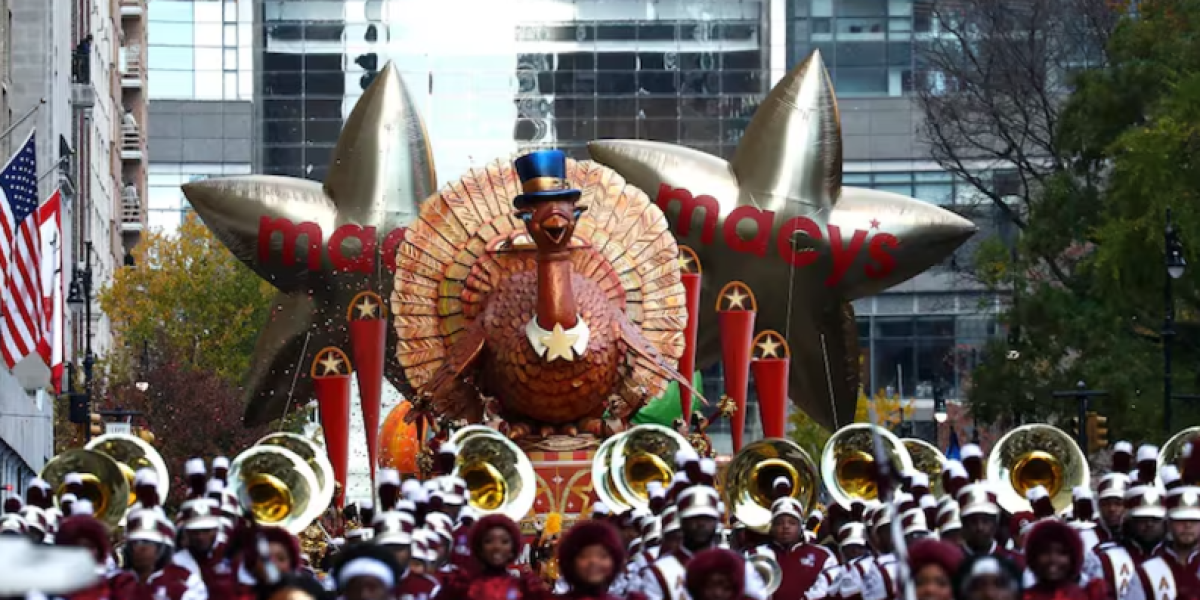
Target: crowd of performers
pixel 1135 537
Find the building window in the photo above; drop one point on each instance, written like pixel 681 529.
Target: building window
pixel 910 355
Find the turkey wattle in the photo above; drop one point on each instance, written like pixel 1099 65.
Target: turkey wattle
pixel 548 303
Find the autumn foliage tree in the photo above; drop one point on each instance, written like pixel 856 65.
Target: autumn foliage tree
pixel 188 294
pixel 192 412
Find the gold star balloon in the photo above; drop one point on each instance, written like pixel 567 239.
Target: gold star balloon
pixel 322 244
pixel 777 218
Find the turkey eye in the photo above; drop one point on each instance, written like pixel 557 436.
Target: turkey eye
pixel 525 216
pixel 578 212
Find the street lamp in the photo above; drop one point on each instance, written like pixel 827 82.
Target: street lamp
pixel 1175 263
pixel 80 297
pixel 939 406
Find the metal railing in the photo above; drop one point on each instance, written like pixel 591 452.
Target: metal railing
pixel 131 139
pixel 131 62
pixel 141 4
pixel 131 212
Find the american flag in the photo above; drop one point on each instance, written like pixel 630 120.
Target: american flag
pixel 20 257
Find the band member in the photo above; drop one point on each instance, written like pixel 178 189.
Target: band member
pixel 1111 493
pixel 366 572
pixel 149 537
pixel 988 577
pixel 980 518
pixel 802 563
pixel 394 531
pixel 82 530
pixel 1172 571
pixel 200 520
pixel 933 565
pixel 419 583
pixel 495 543
pixel 590 558
pixel 1054 552
pixel 699 514
pixel 716 574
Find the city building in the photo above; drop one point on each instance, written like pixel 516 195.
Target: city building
pixel 35 71
pixel 201 63
pixel 562 72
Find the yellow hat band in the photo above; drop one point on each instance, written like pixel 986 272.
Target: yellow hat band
pixel 542 184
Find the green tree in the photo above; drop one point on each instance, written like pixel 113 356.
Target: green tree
pixel 186 291
pixel 1088 268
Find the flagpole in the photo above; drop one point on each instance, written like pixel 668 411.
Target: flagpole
pixel 11 129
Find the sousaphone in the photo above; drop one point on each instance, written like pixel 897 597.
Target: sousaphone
pixel 750 480
pixel 277 486
pixel 499 476
pixel 1033 455
pixel 603 479
pixel 104 484
pixel 848 462
pixel 132 455
pixel 317 459
pixel 643 454
pixel 1172 451
pixel 927 459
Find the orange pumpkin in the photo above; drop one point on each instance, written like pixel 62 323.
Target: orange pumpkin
pixel 398 441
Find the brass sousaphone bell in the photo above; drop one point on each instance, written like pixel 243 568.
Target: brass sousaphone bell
pixel 603 481
pixel 640 455
pixel 1033 455
pixel 104 483
pixel 499 476
pixel 277 485
pixel 848 462
pixel 1172 451
pixel 750 480
pixel 132 455
pixel 768 569
pixel 927 459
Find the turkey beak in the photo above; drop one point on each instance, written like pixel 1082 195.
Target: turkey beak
pixel 556 228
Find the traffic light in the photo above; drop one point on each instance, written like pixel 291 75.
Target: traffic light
pixel 96 424
pixel 77 407
pixel 369 63
pixel 1097 430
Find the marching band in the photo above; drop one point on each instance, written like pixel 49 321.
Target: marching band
pixel 1023 522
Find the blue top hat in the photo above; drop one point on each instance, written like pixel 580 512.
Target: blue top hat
pixel 543 176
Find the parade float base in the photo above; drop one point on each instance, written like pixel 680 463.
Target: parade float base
pixel 564 485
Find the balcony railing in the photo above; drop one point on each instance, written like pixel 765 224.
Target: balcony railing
pixel 131 66
pixel 131 142
pixel 131 209
pixel 133 8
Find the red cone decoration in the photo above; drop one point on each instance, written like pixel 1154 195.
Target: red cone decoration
pixel 772 357
pixel 368 340
pixel 736 309
pixel 689 267
pixel 331 385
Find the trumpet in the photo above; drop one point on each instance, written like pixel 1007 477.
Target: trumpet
pixel 1033 455
pixel 104 483
pixel 848 462
pixel 498 474
pixel 752 473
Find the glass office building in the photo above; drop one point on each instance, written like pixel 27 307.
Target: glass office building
pixel 494 77
pixel 201 49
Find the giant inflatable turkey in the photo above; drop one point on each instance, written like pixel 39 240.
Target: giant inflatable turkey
pixel 541 295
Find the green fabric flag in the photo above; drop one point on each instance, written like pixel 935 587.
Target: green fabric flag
pixel 664 409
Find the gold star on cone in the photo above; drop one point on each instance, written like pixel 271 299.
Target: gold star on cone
pixel 332 364
pixel 558 344
pixel 366 308
pixel 769 348
pixel 382 169
pixel 789 162
pixel 736 299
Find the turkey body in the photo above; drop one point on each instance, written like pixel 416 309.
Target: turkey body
pixel 557 391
